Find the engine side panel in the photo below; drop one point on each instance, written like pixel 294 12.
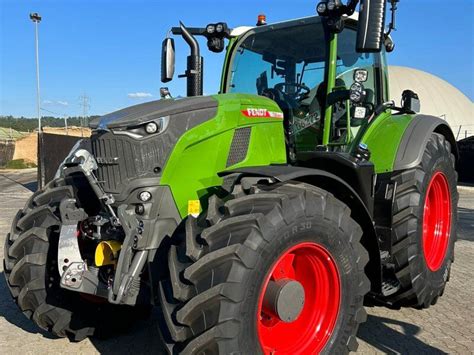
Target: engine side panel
pixel 204 150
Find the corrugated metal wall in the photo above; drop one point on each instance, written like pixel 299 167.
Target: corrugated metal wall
pixel 55 150
pixel 466 165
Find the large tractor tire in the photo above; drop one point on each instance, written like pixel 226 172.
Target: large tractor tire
pixel 276 270
pixel 30 268
pixel 424 226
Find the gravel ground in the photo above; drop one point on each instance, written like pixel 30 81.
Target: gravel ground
pixel 446 328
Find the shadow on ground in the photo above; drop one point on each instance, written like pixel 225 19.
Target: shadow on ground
pixel 144 339
pixel 466 224
pixel 27 179
pixel 378 332
pixel 32 186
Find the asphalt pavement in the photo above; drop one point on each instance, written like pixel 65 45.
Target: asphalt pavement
pixel 447 327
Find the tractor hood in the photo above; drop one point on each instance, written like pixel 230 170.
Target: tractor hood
pixel 143 113
pixel 126 154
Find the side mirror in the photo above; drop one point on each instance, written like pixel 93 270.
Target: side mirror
pixel 410 102
pixel 370 33
pixel 167 60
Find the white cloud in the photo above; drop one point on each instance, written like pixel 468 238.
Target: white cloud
pixel 55 103
pixel 139 95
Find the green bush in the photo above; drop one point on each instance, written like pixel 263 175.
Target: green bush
pixel 19 164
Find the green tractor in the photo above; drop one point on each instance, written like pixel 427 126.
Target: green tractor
pixel 258 220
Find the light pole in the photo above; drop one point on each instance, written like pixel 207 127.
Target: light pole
pixel 36 18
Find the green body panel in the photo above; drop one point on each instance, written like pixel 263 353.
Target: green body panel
pixel 383 139
pixel 202 152
pixel 332 70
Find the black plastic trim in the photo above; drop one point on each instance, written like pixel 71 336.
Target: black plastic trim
pixel 283 173
pixel 415 139
pixel 340 189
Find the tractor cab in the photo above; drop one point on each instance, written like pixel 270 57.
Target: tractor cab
pixel 326 73
pixel 288 63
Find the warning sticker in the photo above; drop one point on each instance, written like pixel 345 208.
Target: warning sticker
pixel 261 113
pixel 194 208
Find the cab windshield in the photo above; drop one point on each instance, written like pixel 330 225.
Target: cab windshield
pixel 287 63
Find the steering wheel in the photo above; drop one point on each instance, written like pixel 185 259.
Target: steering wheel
pixel 299 88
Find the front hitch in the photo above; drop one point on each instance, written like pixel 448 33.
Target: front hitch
pixel 75 274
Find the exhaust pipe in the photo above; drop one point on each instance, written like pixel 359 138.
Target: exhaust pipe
pixel 194 72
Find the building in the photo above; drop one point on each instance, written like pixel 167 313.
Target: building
pixel 26 148
pixel 437 97
pixel 8 138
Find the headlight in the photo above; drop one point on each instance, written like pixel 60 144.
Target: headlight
pixel 357 93
pixel 331 5
pixel 144 196
pixel 322 7
pixel 361 75
pixel 145 130
pixel 210 29
pixel 151 128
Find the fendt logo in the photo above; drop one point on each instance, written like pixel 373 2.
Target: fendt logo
pixel 261 113
pixel 107 161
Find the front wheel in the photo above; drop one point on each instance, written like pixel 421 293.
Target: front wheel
pixel 30 268
pixel 277 270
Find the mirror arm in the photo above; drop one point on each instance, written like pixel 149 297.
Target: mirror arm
pixel 195 31
pixel 393 10
pixel 351 6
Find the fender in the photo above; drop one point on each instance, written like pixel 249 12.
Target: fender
pixel 341 190
pixel 415 139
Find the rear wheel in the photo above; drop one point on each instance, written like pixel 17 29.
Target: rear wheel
pixel 276 270
pixel 30 267
pixel 424 225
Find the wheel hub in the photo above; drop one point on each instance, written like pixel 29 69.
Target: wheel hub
pixel 299 301
pixel 284 299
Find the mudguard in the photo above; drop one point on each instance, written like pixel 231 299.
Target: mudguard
pixel 340 189
pixel 415 139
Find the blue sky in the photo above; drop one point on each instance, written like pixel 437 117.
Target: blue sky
pixel 110 49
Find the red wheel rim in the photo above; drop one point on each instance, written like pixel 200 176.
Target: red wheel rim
pixel 313 267
pixel 436 221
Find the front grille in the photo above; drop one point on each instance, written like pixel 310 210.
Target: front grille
pixel 122 159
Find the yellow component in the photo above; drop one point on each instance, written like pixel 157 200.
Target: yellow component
pixel 194 208
pixel 106 253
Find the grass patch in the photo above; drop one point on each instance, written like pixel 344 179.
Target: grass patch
pixel 19 164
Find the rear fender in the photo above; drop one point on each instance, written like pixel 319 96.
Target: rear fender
pixel 415 139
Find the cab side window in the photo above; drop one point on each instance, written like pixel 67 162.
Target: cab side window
pixel 349 61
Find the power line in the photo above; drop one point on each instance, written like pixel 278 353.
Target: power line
pixel 59 114
pixel 84 102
